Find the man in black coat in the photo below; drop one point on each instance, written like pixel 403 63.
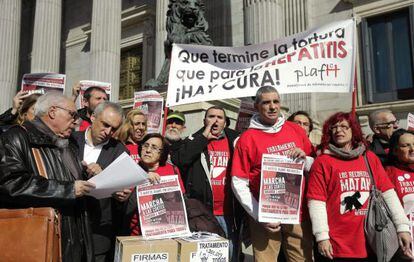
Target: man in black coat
pixel 22 186
pixel 205 158
pixel 98 149
pixel 383 123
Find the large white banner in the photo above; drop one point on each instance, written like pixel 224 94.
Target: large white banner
pixel 318 60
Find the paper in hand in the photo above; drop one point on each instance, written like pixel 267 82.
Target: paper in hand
pixel 122 173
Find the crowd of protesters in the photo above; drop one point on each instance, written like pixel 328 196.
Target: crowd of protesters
pixel 216 165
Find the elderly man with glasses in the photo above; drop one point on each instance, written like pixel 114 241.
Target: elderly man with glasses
pixel 22 186
pixel 383 123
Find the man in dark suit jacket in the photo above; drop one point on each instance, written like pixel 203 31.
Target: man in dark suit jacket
pixel 98 149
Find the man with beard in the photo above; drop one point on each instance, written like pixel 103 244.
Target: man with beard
pixel 22 186
pixel 92 97
pixel 175 127
pixel 206 158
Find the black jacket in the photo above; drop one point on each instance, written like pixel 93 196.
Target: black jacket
pixel 379 148
pixel 7 119
pixel 103 213
pixel 21 186
pixel 193 159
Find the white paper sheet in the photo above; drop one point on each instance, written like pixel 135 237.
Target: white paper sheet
pixel 122 173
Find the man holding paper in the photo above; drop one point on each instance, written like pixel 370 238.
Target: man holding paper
pixel 45 144
pixel 268 133
pixel 98 149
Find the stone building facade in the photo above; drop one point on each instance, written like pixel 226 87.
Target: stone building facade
pixel 121 41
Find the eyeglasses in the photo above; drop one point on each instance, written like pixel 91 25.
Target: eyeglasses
pixel 336 128
pixel 147 146
pixel 388 124
pixel 73 114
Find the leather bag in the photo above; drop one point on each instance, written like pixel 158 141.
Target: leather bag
pixel 31 234
pixel 380 231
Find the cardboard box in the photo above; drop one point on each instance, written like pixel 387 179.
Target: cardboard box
pixel 212 248
pixel 137 249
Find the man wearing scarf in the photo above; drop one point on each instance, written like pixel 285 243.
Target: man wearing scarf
pixel 383 123
pixel 23 186
pixel 205 158
pixel 269 133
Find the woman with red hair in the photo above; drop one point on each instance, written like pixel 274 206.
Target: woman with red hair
pixel 339 188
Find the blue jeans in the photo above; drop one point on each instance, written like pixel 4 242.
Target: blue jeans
pixel 227 226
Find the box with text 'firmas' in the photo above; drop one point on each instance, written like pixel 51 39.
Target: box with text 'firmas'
pixel 204 247
pixel 137 249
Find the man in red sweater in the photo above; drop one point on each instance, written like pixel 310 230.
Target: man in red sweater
pixel 92 97
pixel 269 133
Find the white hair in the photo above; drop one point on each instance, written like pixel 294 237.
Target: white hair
pixel 107 104
pixel 373 117
pixel 44 102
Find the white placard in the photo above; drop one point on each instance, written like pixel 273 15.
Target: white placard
pixel 317 60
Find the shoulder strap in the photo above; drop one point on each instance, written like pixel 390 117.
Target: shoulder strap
pixel 39 162
pixel 369 170
pixel 38 159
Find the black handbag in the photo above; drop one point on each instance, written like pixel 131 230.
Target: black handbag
pixel 200 218
pixel 380 231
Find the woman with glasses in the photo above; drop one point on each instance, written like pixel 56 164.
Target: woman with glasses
pixel 401 167
pixel 339 189
pixel 132 131
pixel 153 151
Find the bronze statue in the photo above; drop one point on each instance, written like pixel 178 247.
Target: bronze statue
pixel 185 25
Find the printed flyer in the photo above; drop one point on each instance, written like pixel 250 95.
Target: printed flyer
pixel 151 104
pixel 410 122
pixel 162 212
pixel 280 189
pixel 42 83
pixel 246 111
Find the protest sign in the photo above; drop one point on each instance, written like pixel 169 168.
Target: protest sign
pixel 246 111
pixel 318 60
pixel 162 212
pixel 42 83
pixel 280 189
pixel 151 104
pixel 410 122
pixel 85 84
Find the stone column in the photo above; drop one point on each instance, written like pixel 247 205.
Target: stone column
pixel 47 36
pixel 10 15
pixel 160 34
pixel 106 43
pixel 263 21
